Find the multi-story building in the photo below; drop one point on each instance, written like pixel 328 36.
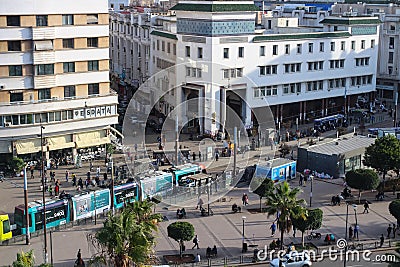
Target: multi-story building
pixel 54 72
pixel 298 72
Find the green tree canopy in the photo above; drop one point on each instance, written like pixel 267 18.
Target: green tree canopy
pixel 311 221
pixel 283 200
pixel 25 259
pixel 394 209
pixel 384 154
pixel 17 164
pixel 180 232
pixel 127 238
pixel 362 179
pixel 262 187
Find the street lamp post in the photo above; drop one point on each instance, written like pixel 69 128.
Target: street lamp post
pixel 26 206
pixel 208 193
pixel 345 248
pixel 43 194
pixel 312 180
pixel 243 219
pixel 112 185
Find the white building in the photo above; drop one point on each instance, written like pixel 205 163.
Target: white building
pixel 301 73
pixel 54 71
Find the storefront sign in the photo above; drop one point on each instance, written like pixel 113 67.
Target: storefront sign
pixel 101 111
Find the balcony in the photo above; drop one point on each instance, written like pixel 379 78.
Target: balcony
pixel 43 57
pixel 42 33
pixel 44 81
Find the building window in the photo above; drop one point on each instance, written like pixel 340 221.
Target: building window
pixel 44 94
pixel 362 61
pixel 332 46
pixel 14 45
pixel 45 69
pixel 93 65
pixel 391 42
pixel 67 19
pixel 265 91
pixel 310 47
pixel 193 72
pixel 291 68
pixel 69 91
pixel 232 73
pixel 372 43
pixel 13 21
pixel 262 51
pixel 292 88
pixel 390 60
pixel 158 45
pixel 16 97
pixel 199 52
pixel 163 46
pixel 15 70
pixel 299 48
pixel 174 49
pixel 93 89
pixel 168 47
pixel 275 50
pixel 187 51
pixel 226 52
pixel 390 70
pixel 336 64
pixel 241 52
pixel 315 86
pixel 287 49
pixel 41 20
pixel 362 44
pixel 68 43
pixel 93 42
pixel 353 45
pixel 321 47
pixel 69 67
pixel 268 70
pixel 315 65
pixel 92 19
pixel 342 45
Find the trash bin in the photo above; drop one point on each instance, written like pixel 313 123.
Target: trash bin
pixel 398 195
pixel 244 248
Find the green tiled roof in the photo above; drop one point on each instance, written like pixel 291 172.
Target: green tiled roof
pixel 276 37
pixel 215 7
pixel 351 21
pixel 164 34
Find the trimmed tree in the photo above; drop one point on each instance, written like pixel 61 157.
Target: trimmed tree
pixel 17 164
pixel 312 221
pixel 394 209
pixel 362 179
pixel 283 200
pixel 180 232
pixel 262 187
pixel 383 155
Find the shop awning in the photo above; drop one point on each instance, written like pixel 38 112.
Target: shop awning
pixel 27 146
pixel 5 147
pixel 91 139
pixel 60 142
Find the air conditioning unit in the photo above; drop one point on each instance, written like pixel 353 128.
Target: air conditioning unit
pixel 2 86
pixel 7 124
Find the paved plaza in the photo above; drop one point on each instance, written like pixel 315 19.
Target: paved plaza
pixel 224 229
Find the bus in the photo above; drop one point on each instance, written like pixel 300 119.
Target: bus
pixel 126 193
pixel 159 183
pixel 184 170
pixel 57 213
pixel 88 204
pixel 330 122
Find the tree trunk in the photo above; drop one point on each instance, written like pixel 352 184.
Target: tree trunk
pixel 282 232
pixel 302 239
pixel 180 249
pixel 359 196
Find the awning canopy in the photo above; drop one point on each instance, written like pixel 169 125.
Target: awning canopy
pixel 60 142
pixel 92 19
pixel 43 45
pixel 27 146
pixel 91 139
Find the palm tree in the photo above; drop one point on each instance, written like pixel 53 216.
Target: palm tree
pixel 283 201
pixel 128 238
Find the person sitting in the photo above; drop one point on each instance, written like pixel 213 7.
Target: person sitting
pixel 183 213
pixel 333 201
pixel 379 196
pixel 214 251
pixel 208 252
pixel 327 238
pixel 179 214
pixel 236 208
pixel 203 211
pixel 332 236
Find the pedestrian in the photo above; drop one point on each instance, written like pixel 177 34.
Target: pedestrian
pixel 57 189
pixel 356 230
pixel 50 190
pixel 196 242
pixel 350 232
pixel 389 230
pixel 394 230
pixel 194 156
pixel 273 228
pixel 98 171
pixel 91 166
pixel 66 175
pixel 366 207
pixel 88 175
pixel 32 172
pixel 199 155
pixel 80 183
pixel 301 180
pixel 198 259
pixel 244 199
pixel 73 179
pixel 382 240
pixel 200 204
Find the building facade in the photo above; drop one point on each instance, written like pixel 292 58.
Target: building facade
pixel 54 72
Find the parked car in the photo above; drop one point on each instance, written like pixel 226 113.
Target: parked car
pixel 294 259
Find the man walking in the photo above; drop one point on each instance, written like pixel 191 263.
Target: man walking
pixel 356 230
pixel 366 207
pixel 389 230
pixel 196 242
pixel 382 239
pixel 273 228
pixel 66 175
